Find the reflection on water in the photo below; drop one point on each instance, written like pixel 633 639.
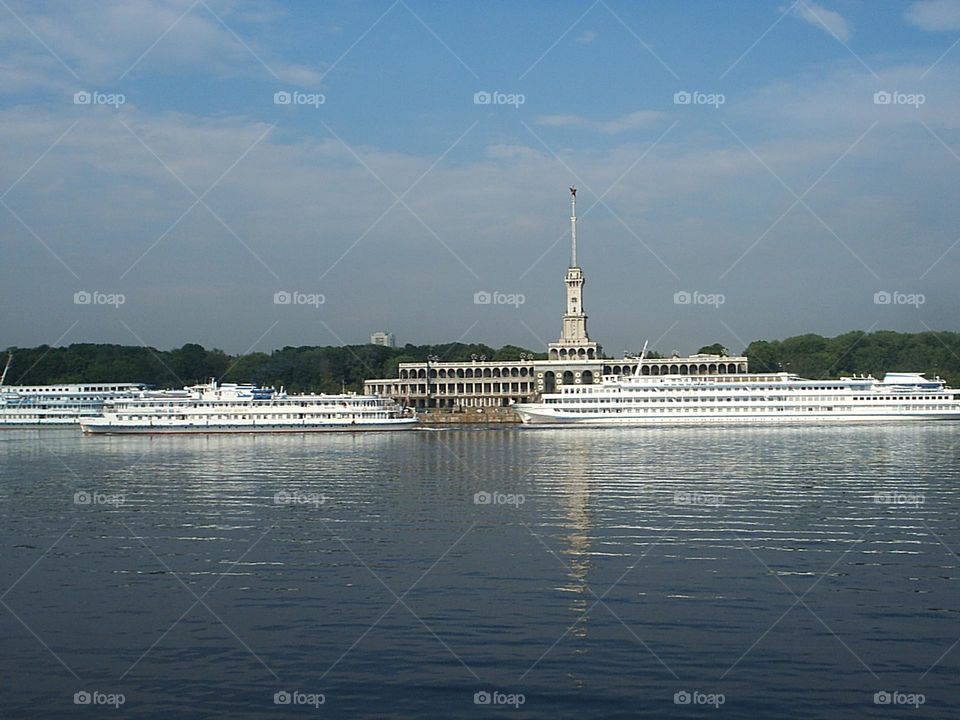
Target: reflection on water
pixel 699 543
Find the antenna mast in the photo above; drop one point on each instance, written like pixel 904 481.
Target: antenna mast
pixel 573 226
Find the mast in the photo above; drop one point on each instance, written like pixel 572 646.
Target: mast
pixel 3 377
pixel 573 226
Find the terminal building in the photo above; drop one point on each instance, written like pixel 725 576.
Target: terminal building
pixel 574 359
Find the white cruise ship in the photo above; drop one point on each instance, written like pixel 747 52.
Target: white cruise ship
pixel 38 406
pixel 232 408
pixel 744 398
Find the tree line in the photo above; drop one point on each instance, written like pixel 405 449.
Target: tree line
pixel 330 369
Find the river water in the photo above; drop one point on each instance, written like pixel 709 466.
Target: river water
pixel 765 572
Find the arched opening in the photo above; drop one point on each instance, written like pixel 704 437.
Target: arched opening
pixel 587 377
pixel 487 373
pixel 656 370
pixel 549 382
pixel 645 370
pixel 684 369
pixel 421 373
pixel 674 370
pixel 713 368
pixel 460 372
pixel 568 377
pixel 703 369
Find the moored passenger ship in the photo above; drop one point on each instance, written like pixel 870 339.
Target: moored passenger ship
pixel 233 408
pixel 60 405
pixel 744 398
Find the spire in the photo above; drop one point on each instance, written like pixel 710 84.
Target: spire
pixel 573 226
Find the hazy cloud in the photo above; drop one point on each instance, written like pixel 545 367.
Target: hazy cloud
pixel 831 22
pixel 620 124
pixel 935 15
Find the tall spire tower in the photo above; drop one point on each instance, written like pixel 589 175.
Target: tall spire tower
pixel 574 343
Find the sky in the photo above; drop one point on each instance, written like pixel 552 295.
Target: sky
pixel 252 175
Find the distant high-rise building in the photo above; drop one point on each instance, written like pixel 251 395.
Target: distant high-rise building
pixel 383 338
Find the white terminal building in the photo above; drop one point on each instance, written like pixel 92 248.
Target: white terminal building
pixel 383 338
pixel 574 359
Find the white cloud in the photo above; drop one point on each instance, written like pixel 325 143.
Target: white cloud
pixel 832 23
pixel 609 127
pixel 935 15
pixel 587 37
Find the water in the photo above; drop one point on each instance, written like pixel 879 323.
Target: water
pixel 751 563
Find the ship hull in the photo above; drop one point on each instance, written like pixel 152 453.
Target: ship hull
pixel 117 429
pixel 535 417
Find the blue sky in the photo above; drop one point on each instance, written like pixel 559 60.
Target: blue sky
pixel 783 198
